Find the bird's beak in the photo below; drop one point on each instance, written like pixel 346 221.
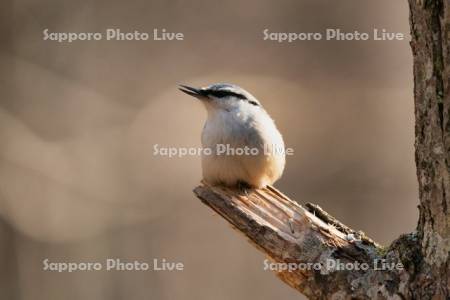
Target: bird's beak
pixel 194 92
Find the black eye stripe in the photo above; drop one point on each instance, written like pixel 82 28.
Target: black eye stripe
pixel 224 93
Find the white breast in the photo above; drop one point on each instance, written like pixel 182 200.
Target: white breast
pixel 252 128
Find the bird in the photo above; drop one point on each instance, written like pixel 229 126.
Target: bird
pixel 237 120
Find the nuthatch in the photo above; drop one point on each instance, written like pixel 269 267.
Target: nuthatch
pixel 237 120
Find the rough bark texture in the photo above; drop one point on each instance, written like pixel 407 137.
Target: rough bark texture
pixel 289 233
pixel 430 25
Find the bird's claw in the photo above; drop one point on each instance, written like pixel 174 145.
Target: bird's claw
pixel 244 188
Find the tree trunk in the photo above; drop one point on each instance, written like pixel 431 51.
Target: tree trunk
pixel 291 234
pixel 430 31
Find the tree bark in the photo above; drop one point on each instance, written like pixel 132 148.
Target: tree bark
pixel 319 249
pixel 416 265
pixel 430 25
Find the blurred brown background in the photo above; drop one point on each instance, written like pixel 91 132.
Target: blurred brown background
pixel 78 181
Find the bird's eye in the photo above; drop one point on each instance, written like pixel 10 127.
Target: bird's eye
pixel 220 94
pixel 224 93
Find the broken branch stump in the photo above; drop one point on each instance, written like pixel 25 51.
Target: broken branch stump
pixel 308 236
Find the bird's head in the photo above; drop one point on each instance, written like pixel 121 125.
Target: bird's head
pixel 222 96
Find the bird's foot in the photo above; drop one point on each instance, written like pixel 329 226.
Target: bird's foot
pixel 244 187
